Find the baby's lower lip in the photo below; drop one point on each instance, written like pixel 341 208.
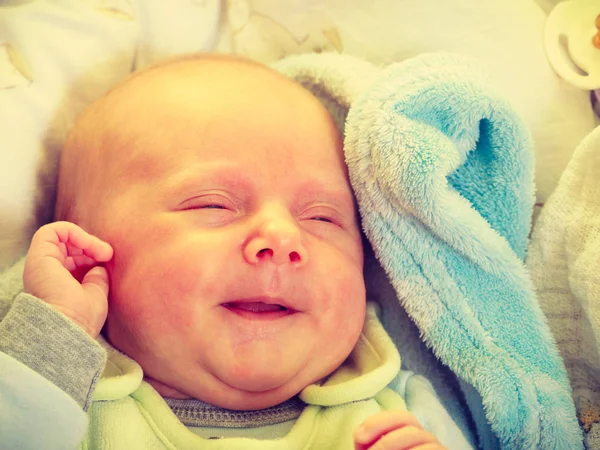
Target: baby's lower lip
pixel 257 310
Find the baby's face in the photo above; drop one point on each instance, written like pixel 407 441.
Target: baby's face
pixel 237 272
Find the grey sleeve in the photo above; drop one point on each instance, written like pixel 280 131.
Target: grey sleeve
pixel 46 341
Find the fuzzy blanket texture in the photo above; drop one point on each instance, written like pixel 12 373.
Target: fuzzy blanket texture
pixel 442 169
pixel 564 258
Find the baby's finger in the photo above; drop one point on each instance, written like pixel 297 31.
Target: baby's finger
pixel 376 426
pixel 74 262
pixel 95 287
pixel 95 283
pixel 99 250
pixel 405 438
pixel 80 242
pixel 72 250
pixel 75 239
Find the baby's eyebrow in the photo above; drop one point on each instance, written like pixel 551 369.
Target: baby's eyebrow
pixel 336 193
pixel 192 178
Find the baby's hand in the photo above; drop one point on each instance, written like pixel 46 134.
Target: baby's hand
pixel 59 254
pixel 394 430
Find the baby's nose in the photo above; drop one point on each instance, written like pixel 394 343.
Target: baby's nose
pixel 279 240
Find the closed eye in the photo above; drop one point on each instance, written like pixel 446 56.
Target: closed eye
pixel 208 202
pixel 200 206
pixel 211 212
pixel 322 219
pixel 323 214
pixel 210 207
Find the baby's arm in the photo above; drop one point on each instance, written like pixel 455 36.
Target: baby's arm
pixel 394 430
pixel 48 367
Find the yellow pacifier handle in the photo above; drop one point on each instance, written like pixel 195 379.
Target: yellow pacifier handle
pixel 576 23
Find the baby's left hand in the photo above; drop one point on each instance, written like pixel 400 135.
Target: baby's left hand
pixel 394 430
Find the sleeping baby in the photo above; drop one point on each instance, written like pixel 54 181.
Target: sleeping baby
pixel 203 286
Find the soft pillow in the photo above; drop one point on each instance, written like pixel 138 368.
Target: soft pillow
pixel 55 57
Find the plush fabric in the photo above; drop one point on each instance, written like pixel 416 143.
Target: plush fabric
pixel 564 259
pixel 443 173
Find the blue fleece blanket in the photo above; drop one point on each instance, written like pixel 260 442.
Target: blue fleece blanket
pixel 442 169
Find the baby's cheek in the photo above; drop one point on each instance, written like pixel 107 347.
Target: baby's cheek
pixel 348 283
pixel 347 299
pixel 178 288
pixel 344 317
pixel 354 291
pixel 176 291
pixel 156 293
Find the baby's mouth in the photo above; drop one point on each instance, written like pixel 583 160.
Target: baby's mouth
pixel 257 310
pixel 256 307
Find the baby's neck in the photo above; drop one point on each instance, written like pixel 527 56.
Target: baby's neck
pixel 196 413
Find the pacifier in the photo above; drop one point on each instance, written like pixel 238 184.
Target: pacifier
pixel 572 40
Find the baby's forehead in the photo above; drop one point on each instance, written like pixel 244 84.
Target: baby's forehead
pixel 132 100
pixel 217 83
pixel 140 129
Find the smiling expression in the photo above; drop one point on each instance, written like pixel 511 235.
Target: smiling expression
pixel 237 269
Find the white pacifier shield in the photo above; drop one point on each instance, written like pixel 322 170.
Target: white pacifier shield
pixel 574 21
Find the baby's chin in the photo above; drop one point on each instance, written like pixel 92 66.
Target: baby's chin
pixel 236 394
pixel 165 390
pixel 260 384
pixel 252 394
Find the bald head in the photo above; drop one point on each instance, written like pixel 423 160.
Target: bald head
pixel 190 170
pixel 112 135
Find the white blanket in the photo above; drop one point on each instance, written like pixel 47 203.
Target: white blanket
pixel 564 260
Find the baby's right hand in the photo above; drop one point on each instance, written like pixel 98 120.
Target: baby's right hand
pixel 57 252
pixel 394 430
